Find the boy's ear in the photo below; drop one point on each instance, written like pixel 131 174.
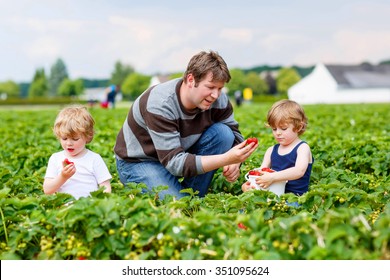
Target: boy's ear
pixel 301 127
pixel 88 139
pixel 298 128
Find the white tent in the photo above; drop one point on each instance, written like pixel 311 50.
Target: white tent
pixel 363 83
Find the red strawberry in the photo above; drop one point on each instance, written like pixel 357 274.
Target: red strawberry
pixel 254 173
pixel 242 226
pixel 252 140
pixel 266 169
pixel 67 162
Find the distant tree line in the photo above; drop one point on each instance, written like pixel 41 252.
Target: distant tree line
pixel 302 71
pixel 262 80
pixel 57 83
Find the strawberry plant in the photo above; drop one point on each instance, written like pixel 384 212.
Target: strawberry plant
pixel 344 215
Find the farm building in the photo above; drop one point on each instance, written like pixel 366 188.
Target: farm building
pixel 98 94
pixel 364 83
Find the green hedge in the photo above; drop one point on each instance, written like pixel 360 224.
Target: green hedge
pixel 40 101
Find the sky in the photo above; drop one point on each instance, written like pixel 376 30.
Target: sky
pixel 160 37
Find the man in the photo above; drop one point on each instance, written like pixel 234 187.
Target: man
pixel 183 129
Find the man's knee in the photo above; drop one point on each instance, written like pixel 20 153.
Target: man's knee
pixel 223 134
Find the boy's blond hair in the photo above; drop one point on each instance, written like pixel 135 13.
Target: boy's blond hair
pixel 74 121
pixel 287 112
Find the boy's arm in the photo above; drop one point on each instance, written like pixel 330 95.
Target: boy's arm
pixel 267 158
pixel 292 173
pixel 304 158
pixel 51 185
pixel 106 185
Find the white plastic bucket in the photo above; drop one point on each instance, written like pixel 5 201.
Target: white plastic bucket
pixel 277 188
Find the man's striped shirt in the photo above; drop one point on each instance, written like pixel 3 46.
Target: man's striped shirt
pixel 159 128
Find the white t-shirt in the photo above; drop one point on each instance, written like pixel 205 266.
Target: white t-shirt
pixel 91 170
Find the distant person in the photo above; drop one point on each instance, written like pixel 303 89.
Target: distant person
pixel 111 93
pixel 75 170
pixel 238 97
pixel 291 157
pixel 178 133
pixel 271 83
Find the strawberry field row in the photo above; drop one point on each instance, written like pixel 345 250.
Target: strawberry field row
pixel 345 214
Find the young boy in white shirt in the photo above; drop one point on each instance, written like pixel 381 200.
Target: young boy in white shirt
pixel 75 170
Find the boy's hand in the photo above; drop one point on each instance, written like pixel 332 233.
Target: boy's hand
pixel 266 179
pixel 69 169
pixel 247 186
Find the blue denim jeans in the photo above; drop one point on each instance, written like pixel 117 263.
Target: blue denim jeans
pixel 217 139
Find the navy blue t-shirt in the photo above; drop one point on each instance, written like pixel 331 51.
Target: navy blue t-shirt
pixel 282 162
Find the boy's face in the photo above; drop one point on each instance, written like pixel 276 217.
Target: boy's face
pixel 73 146
pixel 284 134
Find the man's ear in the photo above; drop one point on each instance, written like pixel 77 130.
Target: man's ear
pixel 190 80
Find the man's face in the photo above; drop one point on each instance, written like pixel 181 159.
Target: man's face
pixel 205 93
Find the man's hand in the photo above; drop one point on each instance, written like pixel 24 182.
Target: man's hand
pixel 231 172
pixel 241 152
pixel 234 157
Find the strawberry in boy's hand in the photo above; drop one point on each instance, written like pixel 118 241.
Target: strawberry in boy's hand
pixel 252 140
pixel 254 173
pixel 67 162
pixel 266 169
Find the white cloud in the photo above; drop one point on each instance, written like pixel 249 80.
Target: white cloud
pixel 43 47
pixel 237 35
pixel 33 24
pixel 140 30
pixel 162 37
pixel 149 45
pixel 357 46
pixel 276 42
